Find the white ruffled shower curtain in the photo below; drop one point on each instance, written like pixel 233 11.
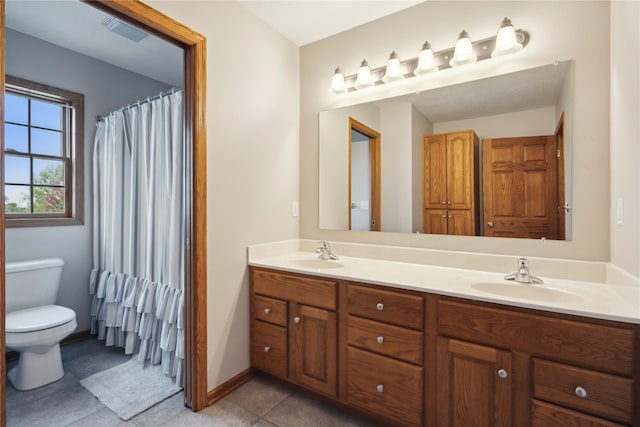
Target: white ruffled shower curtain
pixel 137 283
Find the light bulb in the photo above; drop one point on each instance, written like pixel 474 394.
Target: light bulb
pixel 426 62
pixel 394 70
pixel 463 53
pixel 364 79
pixel 506 41
pixel 337 82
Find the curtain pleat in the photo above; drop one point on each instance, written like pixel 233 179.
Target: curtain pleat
pixel 137 283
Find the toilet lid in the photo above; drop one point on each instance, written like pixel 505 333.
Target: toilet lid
pixel 38 318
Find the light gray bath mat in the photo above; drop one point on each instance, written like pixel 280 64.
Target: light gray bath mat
pixel 131 388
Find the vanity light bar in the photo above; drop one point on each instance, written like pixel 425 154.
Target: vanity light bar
pixel 482 49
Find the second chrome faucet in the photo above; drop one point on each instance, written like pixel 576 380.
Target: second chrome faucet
pixel 522 275
pixel 324 251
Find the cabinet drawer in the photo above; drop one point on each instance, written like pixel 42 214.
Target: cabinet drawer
pixel 269 348
pixel 599 347
pixel 270 310
pixel 385 387
pixel 387 306
pixel 401 343
pixel 546 415
pixel 306 290
pixel 602 394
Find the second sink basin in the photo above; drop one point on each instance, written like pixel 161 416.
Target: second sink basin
pixel 527 291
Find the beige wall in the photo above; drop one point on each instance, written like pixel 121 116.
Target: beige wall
pixel 625 134
pixel 557 33
pixel 252 161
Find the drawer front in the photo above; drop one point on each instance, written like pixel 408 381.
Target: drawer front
pixel 270 310
pixel 306 290
pixel 269 348
pixel 589 391
pixel 599 347
pixel 401 343
pixel 386 306
pixel 385 387
pixel 547 415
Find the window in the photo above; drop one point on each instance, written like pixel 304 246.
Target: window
pixel 43 175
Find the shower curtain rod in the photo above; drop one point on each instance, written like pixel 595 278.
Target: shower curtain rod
pixel 143 101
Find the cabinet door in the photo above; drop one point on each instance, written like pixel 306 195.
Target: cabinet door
pixel 474 385
pixel 460 182
pixel 314 336
pixel 460 222
pixel 434 221
pixel 435 171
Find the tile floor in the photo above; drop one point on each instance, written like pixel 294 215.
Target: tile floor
pixel 261 402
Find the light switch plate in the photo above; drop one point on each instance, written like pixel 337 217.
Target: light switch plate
pixel 295 209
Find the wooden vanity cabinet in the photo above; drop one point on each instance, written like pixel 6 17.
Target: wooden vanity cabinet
pixel 508 366
pixel 449 184
pixel 294 328
pixel 411 358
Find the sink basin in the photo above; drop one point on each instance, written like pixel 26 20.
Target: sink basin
pixel 527 291
pixel 316 263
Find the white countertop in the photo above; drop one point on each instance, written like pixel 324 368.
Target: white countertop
pixel 589 299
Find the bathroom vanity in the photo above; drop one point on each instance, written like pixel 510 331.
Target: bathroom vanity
pixel 416 357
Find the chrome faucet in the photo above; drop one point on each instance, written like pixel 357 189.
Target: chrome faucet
pixel 522 275
pixel 325 251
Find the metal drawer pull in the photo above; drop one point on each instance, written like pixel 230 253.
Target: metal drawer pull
pixel 267 310
pixel 267 349
pixel 296 319
pixel 379 388
pixel 379 306
pixel 502 374
pixel 580 392
pixel 380 340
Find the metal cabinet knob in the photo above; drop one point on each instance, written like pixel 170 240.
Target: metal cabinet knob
pixel 444 216
pixel 267 310
pixel 380 340
pixel 449 202
pixel 581 392
pixel 444 203
pixel 296 319
pixel 267 349
pixel 490 224
pixel 379 388
pixel 379 306
pixel 502 374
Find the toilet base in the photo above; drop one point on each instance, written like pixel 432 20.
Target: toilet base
pixel 35 370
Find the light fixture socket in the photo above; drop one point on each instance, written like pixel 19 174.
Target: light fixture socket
pixel 337 82
pixel 364 78
pixel 394 69
pixel 426 61
pixel 506 40
pixel 463 52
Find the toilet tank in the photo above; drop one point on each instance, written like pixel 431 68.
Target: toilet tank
pixel 32 283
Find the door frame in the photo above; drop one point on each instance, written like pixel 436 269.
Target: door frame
pixel 194 45
pixel 374 171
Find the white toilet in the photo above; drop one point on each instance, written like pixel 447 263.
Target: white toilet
pixel 34 324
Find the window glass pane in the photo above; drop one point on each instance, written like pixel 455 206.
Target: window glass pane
pixel 48 200
pixel 48 172
pixel 17 170
pixel 15 138
pixel 16 109
pixel 46 115
pixel 17 199
pixel 46 142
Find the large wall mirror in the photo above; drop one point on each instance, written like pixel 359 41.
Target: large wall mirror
pixel 490 157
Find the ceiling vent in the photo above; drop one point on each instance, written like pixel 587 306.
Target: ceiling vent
pixel 123 29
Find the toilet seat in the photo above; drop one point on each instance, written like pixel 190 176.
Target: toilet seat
pixel 38 318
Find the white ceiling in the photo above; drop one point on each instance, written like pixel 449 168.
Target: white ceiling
pixel 307 21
